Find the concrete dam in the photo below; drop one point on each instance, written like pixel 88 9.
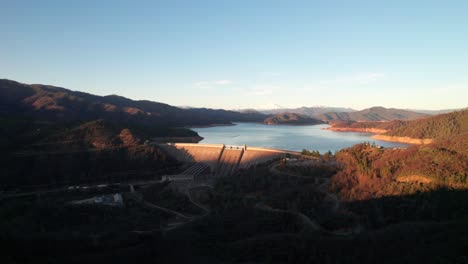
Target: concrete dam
pixel 223 160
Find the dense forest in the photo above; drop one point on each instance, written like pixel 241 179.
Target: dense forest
pixel 363 204
pixel 59 153
pixel 384 126
pixel 254 217
pixel 377 113
pixel 369 171
pixel 440 126
pixel 291 119
pixel 52 103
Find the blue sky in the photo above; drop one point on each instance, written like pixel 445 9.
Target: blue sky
pixel 244 54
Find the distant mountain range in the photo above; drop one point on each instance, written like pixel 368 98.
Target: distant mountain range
pixel 316 110
pixel 308 111
pixel 333 114
pixel 55 103
pixel 291 119
pixel 372 114
pixel 442 126
pixel 59 104
pixel 435 112
pixel 61 133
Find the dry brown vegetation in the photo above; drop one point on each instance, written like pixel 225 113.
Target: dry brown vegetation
pixel 369 172
pixel 440 126
pixel 55 103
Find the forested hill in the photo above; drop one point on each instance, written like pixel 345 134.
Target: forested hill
pixel 372 171
pixel 433 127
pixel 55 103
pixel 291 119
pixel 372 114
pixel 440 126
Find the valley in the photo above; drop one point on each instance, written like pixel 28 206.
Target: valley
pixel 233 132
pixel 329 195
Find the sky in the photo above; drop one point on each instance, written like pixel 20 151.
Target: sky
pixel 244 54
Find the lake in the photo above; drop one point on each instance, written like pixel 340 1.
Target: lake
pixel 285 137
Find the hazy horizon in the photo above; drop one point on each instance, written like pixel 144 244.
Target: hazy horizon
pixel 259 107
pixel 244 54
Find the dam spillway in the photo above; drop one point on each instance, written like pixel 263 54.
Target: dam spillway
pixel 224 160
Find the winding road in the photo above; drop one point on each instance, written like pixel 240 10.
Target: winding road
pixel 312 224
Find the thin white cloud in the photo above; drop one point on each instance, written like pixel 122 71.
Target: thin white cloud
pixel 212 83
pixel 222 82
pixel 198 84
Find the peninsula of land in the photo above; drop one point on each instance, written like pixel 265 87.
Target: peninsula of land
pixel 418 131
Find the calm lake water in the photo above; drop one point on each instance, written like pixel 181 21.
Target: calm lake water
pixel 286 137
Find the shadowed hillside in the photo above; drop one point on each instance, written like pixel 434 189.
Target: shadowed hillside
pixel 39 152
pixel 427 227
pixel 366 204
pixel 55 103
pixel 51 135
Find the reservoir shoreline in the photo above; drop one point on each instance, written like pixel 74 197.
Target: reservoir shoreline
pixel 379 135
pixel 287 137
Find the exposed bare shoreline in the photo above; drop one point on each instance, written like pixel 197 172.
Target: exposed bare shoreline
pixel 363 130
pixel 379 135
pixel 290 124
pixel 260 123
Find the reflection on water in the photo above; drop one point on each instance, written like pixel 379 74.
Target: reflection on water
pixel 286 137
